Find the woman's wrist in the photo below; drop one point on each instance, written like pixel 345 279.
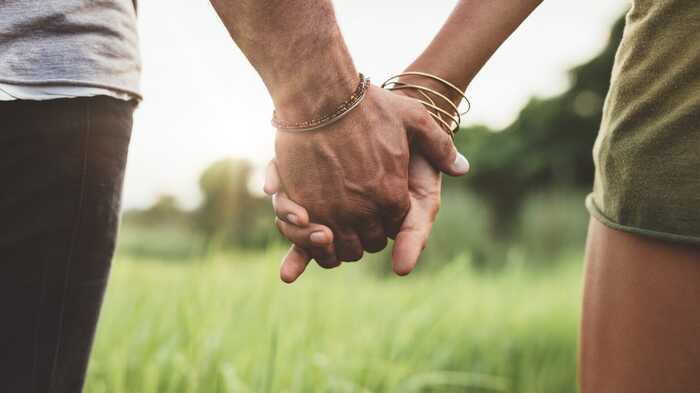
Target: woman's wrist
pixel 457 77
pixel 435 85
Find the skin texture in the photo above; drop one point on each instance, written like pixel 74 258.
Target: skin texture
pixel 352 175
pixel 360 190
pixel 470 36
pixel 457 53
pixel 296 60
pixel 316 241
pixel 355 189
pixel 640 330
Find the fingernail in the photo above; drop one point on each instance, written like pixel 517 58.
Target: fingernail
pixel 318 237
pixel 293 219
pixel 461 164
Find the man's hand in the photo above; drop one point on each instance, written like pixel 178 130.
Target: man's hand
pixel 352 176
pixel 312 240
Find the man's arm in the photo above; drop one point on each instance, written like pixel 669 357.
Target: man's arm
pixel 297 48
pixel 350 175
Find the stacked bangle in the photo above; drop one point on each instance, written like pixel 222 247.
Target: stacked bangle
pixel 449 120
pixel 427 100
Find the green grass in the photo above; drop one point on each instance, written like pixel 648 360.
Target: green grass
pixel 233 327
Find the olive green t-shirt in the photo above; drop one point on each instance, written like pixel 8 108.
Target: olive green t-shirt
pixel 647 154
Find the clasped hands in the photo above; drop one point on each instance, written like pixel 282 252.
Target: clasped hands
pixel 375 174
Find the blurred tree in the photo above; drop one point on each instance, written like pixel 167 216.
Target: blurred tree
pixel 164 231
pixel 165 212
pixel 548 145
pixel 229 214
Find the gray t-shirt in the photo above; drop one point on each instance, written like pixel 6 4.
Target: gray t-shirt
pixel 70 43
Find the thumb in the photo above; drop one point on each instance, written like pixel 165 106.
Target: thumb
pixel 437 145
pixel 412 237
pixel 273 184
pixel 294 264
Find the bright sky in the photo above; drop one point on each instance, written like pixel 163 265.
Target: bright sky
pixel 205 102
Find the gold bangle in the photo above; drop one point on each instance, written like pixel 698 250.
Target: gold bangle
pixel 435 111
pixel 450 130
pixel 438 114
pixel 339 112
pixel 421 89
pixel 443 81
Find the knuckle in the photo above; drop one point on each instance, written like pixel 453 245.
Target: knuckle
pixel 350 257
pixel 375 245
pixel 395 194
pixel 357 214
pixel 422 119
pixel 321 213
pixel 392 229
pixel 349 254
pixel 400 205
pixel 288 232
pixel 355 256
pixel 326 262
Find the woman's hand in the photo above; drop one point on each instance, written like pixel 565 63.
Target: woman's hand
pixel 352 175
pixel 316 241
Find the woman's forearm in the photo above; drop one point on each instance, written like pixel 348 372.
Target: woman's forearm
pixel 472 33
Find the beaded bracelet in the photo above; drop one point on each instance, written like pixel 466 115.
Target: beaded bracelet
pixel 339 112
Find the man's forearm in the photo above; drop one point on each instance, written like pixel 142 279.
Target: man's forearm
pixel 298 50
pixel 471 35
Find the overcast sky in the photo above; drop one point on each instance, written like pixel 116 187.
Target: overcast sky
pixel 204 102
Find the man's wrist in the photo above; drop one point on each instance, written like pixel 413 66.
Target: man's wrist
pixel 298 50
pixel 315 86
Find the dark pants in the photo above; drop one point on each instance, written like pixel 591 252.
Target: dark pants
pixel 61 172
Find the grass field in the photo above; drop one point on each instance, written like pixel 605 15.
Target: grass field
pixel 233 327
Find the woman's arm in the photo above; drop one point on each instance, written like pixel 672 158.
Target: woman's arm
pixel 471 35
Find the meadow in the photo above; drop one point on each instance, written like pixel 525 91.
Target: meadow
pixel 228 324
pixel 493 307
